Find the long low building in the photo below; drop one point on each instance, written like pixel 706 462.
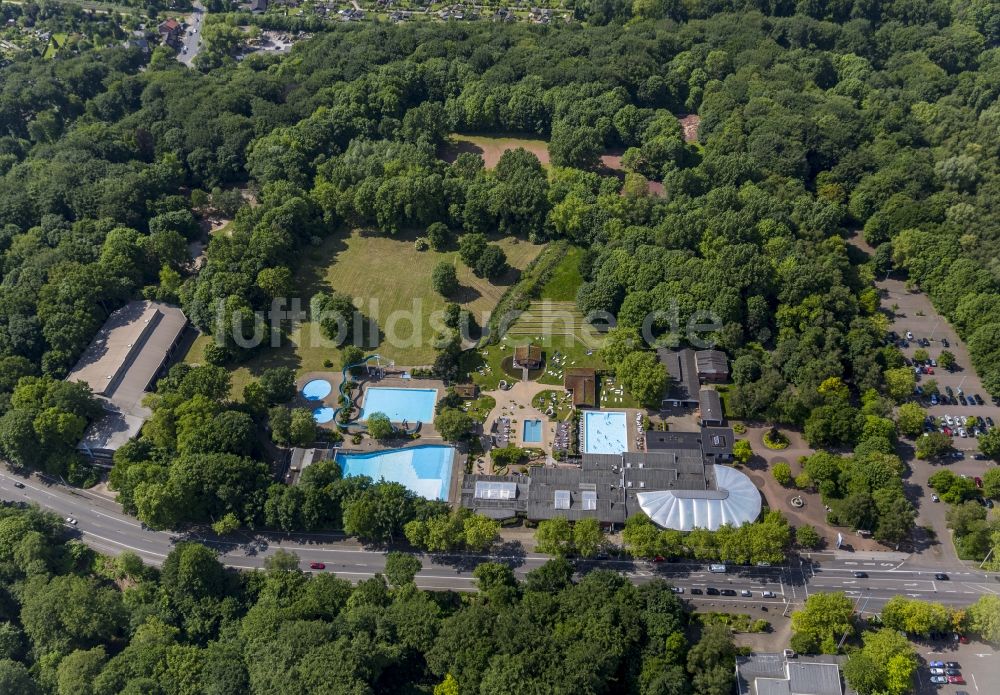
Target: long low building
pixel 121 365
pixel 679 485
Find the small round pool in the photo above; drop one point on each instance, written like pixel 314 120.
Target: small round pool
pixel 316 390
pixel 323 415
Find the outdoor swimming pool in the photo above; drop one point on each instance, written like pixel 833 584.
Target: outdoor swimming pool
pixel 323 415
pixel 604 433
pixel 532 431
pixel 412 405
pixel 426 470
pixel 316 390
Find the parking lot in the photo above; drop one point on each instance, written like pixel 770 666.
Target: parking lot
pixel 916 315
pixel 979 666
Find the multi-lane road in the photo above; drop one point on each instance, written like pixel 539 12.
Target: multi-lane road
pixel 101 523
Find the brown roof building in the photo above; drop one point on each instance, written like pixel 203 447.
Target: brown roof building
pixel 528 356
pixel 466 391
pixel 121 365
pixel 582 383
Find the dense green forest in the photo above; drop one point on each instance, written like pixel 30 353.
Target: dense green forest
pixel 75 623
pixel 816 120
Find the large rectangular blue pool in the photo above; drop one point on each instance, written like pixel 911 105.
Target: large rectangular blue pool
pixel 425 470
pixel 412 405
pixel 605 432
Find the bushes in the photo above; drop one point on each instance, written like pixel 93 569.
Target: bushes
pixel 782 472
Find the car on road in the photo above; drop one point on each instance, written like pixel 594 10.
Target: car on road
pixel 712 591
pixel 860 575
pixel 71 521
pixel 956 680
pixel 939 679
pixel 19 485
pixel 317 566
pixel 677 589
pixel 941 576
pixel 768 594
pixel 935 498
pixel 746 592
pixel 696 591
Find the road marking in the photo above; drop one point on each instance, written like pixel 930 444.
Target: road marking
pixel 114 518
pixel 124 545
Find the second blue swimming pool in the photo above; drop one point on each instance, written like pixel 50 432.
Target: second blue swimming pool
pixel 412 405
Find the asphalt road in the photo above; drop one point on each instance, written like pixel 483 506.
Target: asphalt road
pixel 191 39
pixel 103 526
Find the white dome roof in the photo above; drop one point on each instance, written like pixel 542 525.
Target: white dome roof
pixel 736 501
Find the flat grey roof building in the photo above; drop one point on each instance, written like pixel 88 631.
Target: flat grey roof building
pixel 773 674
pixel 683 385
pixel 711 407
pixel 676 483
pixel 121 365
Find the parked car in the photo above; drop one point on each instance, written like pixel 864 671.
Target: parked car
pixel 934 399
pixel 696 591
pixel 979 399
pixel 962 432
pixel 928 370
pixel 939 679
pixel 945 343
pixel 979 457
pixel 937 671
pixel 936 664
pixel 746 592
pixel 949 419
pixel 935 498
pixel 728 592
pixel 941 576
pixel 958 454
pixel 71 521
pixel 712 591
pixel 952 672
pixel 956 680
pixel 677 589
pixel 988 503
pixel 989 421
pixel 947 389
pixel 317 566
pixel 951 664
pixel 933 362
pixel 970 400
pixel 909 335
pixel 978 481
pixel 768 594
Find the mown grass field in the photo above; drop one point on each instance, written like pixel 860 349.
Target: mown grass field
pixel 490 148
pixel 391 282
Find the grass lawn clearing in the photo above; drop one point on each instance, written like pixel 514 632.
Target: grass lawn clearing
pixel 492 147
pixel 391 281
pixel 566 278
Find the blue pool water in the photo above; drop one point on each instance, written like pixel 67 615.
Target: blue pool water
pixel 426 470
pixel 322 415
pixel 316 390
pixel 604 433
pixel 532 431
pixel 412 405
